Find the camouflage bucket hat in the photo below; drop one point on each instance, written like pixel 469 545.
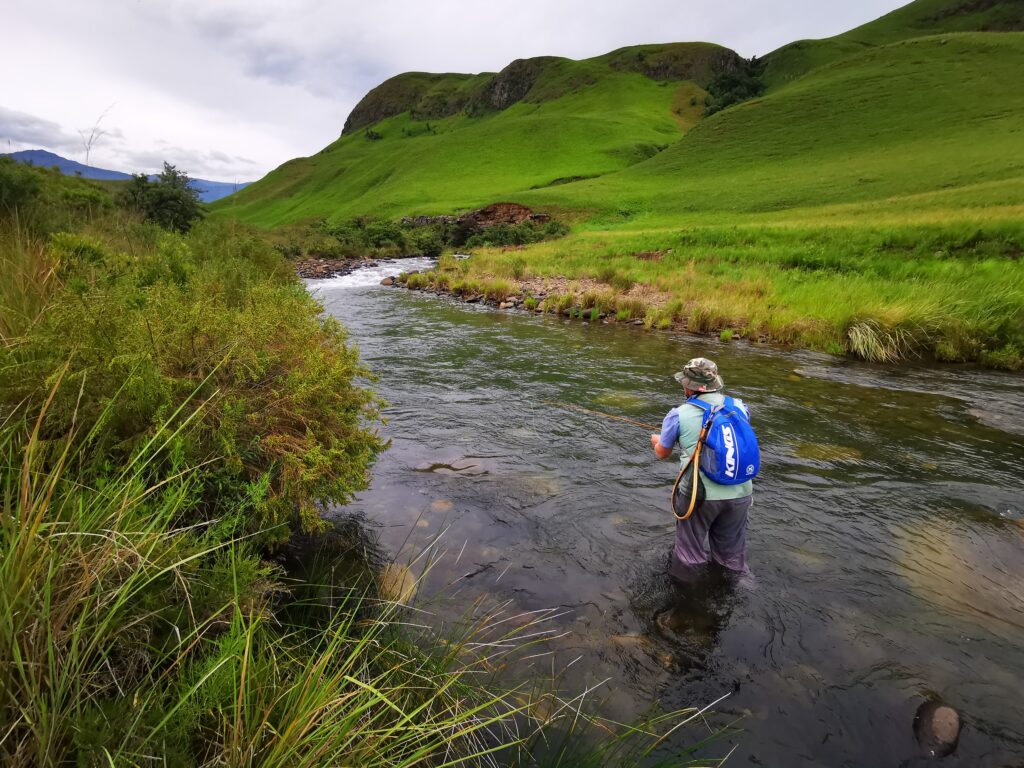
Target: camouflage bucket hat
pixel 700 375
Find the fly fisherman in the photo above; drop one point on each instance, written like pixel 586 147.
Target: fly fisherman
pixel 717 511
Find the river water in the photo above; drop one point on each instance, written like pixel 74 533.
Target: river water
pixel 886 536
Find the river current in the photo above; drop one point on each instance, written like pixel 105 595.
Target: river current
pixel 886 537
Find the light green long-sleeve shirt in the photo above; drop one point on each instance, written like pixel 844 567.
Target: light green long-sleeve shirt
pixel 684 424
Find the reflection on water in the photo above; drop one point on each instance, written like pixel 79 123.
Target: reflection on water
pixel 884 537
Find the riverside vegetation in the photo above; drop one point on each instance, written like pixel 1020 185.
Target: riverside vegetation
pixel 862 195
pixel 173 408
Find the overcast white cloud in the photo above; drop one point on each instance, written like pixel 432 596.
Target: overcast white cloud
pixel 229 89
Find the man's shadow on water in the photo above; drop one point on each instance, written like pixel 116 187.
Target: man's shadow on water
pixel 685 610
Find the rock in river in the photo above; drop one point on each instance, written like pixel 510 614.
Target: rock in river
pixel 937 728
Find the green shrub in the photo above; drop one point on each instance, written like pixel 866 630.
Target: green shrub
pixel 214 317
pixel 169 201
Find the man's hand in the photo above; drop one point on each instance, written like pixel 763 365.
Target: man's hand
pixel 661 453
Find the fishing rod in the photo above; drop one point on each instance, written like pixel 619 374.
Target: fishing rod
pixel 581 409
pixel 693 462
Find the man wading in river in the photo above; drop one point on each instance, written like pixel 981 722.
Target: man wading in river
pixel 721 515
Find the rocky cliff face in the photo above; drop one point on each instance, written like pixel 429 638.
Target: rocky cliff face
pixel 697 62
pixel 513 83
pixel 428 96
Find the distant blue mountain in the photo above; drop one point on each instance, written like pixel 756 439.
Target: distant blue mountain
pixel 208 190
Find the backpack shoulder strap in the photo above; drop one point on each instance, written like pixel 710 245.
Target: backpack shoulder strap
pixel 710 411
pixel 699 403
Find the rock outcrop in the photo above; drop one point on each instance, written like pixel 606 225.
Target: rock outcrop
pixel 482 218
pixel 512 84
pixel 698 62
pixel 427 96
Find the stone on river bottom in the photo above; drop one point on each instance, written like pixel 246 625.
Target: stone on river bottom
pixel 396 583
pixel 937 728
pixel 463 466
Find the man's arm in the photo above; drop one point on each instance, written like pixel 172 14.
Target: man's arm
pixel 659 451
pixel 662 444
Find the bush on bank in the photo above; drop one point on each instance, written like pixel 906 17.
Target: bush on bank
pixel 166 323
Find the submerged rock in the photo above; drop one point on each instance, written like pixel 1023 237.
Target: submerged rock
pixel 827 452
pixel 937 728
pixel 396 583
pixel 464 466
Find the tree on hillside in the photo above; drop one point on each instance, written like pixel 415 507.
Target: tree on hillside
pixel 169 200
pixel 734 87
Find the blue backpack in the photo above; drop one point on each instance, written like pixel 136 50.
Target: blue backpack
pixel 732 455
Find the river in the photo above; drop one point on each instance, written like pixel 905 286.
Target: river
pixel 886 537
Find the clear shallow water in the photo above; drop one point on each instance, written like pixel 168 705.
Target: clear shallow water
pixel 885 538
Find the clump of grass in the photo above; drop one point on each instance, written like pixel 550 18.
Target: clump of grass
pixel 417 281
pixel 726 334
pixel 530 303
pixel 513 268
pixel 630 308
pixel 497 290
pixel 875 342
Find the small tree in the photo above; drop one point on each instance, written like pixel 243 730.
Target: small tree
pixel 169 200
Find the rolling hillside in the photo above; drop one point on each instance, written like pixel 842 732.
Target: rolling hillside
pixel 869 107
pixel 433 143
pixel 910 118
pixel 919 19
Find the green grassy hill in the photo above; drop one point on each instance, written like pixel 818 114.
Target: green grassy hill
pixel 915 117
pixel 442 142
pixel 919 19
pixel 845 119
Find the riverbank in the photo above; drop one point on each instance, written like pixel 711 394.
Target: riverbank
pixel 949 291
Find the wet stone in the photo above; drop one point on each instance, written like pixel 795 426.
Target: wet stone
pixel 441 505
pixel 937 728
pixel 470 467
pixel 396 583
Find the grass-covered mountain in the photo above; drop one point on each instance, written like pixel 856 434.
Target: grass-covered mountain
pixel 424 143
pixel 867 196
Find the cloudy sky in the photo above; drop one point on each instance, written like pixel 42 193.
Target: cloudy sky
pixel 229 89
